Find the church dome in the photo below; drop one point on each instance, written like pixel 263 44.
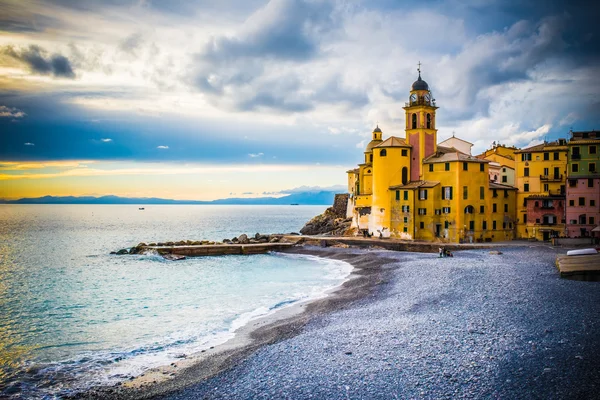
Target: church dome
pixel 372 144
pixel 420 84
pixel 377 129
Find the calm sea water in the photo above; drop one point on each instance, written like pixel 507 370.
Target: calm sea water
pixel 72 316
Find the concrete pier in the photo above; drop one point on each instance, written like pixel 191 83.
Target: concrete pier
pixel 220 249
pixel 582 268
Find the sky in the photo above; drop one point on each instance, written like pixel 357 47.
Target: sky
pixel 199 99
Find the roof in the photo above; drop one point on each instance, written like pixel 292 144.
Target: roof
pixel 353 171
pixel 420 84
pixel 542 147
pixel 455 138
pixel 416 185
pixel 372 144
pixel 377 129
pixel 394 141
pixel 448 154
pixel 494 185
pixel 577 141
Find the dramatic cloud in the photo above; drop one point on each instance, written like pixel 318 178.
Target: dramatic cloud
pixel 40 62
pixel 8 112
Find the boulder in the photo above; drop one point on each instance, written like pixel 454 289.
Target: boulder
pixel 235 240
pixel 226 241
pixel 122 251
pixel 243 239
pixel 274 240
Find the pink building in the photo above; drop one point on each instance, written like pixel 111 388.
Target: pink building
pixel 583 206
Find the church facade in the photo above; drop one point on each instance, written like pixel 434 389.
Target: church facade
pixel 416 188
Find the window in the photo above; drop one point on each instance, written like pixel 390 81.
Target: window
pixel 423 194
pixel 370 157
pixel 422 211
pixel 546 156
pixel 405 208
pixel 592 149
pixel 482 192
pixel 494 193
pixel 556 155
pixel 592 203
pixel 428 121
pixel 546 187
pixel 576 151
pixel 405 229
pixel 465 192
pixel 397 195
pixel 406 195
pixel 383 153
pixel 504 225
pixel 484 225
pixel 574 167
pixel 447 166
pixel 494 225
pixel 592 167
pixel 422 225
pixel 465 166
pixel 524 218
pixel 430 167
pixel 482 167
pixel 446 210
pixel 494 207
pixel 571 203
pixel 526 157
pixel 406 220
pixel 582 219
pixel 526 187
pixel 506 208
pixel 526 171
pixel 404 152
pixel 447 193
pixel 573 222
pixel 414 121
pixel 471 225
pixel 438 212
pixel 572 182
pixel 582 201
pixel 504 179
pixel 446 224
pixel 546 171
pixel 505 193
pixel 481 209
pixel 590 182
pixel 592 221
pixel 404 175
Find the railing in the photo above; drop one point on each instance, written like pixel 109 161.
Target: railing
pixel 551 177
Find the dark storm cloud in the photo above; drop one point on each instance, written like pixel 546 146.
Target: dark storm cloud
pixel 40 62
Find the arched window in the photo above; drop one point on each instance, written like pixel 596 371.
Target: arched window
pixel 469 210
pixel 428 121
pixel 414 121
pixel 383 153
pixel 404 176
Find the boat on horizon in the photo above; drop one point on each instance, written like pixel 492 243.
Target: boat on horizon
pixel 141 208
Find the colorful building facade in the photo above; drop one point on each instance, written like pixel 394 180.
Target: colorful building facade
pixel 583 185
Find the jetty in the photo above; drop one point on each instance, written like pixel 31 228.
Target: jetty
pixel 219 249
pixel 582 267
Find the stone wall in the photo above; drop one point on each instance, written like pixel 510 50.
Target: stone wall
pixel 340 204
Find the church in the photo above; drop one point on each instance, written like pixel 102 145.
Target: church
pixel 415 188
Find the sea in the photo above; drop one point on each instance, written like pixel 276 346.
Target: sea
pixel 73 316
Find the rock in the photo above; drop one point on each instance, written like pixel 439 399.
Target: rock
pixel 274 240
pixel 197 243
pixel 243 239
pixel 122 251
pixel 169 244
pixel 152 244
pixel 113 252
pixel 257 236
pixel 328 223
pixel 226 241
pixel 253 241
pixel 235 240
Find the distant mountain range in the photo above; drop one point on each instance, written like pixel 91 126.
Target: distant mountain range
pixel 300 198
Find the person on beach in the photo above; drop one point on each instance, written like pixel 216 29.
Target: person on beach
pixel 441 252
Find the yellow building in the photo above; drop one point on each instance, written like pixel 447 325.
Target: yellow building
pixel 416 188
pixel 504 160
pixel 541 173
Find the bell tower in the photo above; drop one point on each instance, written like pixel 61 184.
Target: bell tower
pixel 421 133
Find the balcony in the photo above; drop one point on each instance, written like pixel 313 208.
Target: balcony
pixel 551 178
pixel 547 207
pixel 575 156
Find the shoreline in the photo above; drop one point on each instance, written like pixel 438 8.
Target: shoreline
pixel 367 273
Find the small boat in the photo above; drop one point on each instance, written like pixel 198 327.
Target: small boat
pixel 581 252
pixel 141 208
pixel 294 204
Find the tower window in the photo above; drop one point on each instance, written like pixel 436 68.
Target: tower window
pixel 465 166
pixel 482 167
pixel 404 152
pixel 404 175
pixel 428 121
pixel 383 153
pixel 370 157
pixel 465 192
pixel 414 121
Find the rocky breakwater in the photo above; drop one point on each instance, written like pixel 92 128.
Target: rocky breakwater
pixel 242 244
pixel 332 223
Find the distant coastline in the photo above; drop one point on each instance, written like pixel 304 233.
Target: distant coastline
pixel 300 198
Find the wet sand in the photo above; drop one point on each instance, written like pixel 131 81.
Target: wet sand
pixel 410 325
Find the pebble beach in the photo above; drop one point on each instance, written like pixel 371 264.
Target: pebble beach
pixel 413 325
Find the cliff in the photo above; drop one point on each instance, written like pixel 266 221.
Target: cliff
pixel 332 222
